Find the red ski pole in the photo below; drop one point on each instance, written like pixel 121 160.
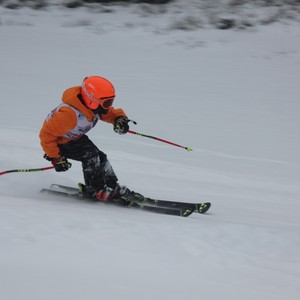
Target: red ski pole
pixel 161 140
pixel 26 170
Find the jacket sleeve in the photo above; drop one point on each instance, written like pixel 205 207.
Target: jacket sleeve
pixel 55 128
pixel 112 114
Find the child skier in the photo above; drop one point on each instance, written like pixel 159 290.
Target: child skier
pixel 63 135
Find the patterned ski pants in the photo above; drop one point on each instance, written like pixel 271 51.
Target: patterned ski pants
pixel 96 168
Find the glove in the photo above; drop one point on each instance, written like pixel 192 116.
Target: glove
pixel 60 164
pixel 121 125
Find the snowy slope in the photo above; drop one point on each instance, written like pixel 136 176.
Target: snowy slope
pixel 233 96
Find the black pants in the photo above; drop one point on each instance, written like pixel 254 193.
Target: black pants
pixel 96 168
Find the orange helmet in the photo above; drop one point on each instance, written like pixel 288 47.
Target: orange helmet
pixel 96 90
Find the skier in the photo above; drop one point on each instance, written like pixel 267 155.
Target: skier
pixel 63 135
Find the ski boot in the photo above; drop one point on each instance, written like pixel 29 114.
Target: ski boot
pixel 120 192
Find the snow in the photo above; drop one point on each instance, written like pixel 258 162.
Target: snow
pixel 233 96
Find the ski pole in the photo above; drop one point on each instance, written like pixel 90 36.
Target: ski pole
pixel 161 140
pixel 26 170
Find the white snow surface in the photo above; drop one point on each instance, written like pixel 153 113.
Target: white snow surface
pixel 233 96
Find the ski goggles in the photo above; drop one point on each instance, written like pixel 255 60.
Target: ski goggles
pixel 105 102
pixel 93 102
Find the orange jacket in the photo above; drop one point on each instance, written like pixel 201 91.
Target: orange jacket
pixel 59 124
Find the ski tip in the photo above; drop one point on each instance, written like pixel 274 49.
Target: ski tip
pixel 203 207
pixel 187 212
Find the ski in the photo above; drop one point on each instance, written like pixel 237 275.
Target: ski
pixel 198 207
pixel 136 197
pixel 125 202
